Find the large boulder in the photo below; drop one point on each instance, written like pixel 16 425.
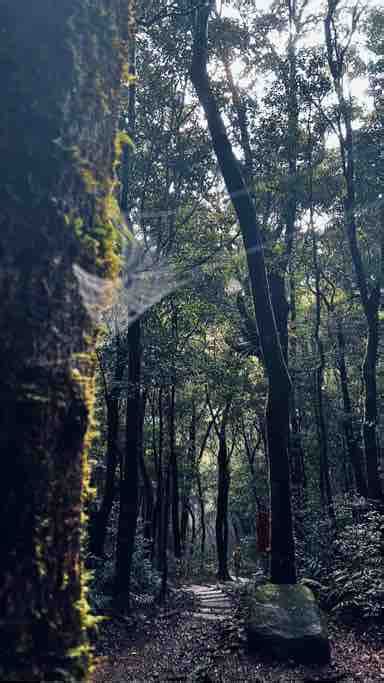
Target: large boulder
pixel 285 621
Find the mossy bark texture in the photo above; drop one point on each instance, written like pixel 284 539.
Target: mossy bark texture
pixel 60 67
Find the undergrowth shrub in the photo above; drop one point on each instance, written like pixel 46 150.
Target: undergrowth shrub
pixel 356 580
pixel 346 563
pixel 145 579
pixel 314 535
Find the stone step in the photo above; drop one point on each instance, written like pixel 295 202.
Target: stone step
pixel 210 617
pixel 216 598
pixel 218 609
pixel 215 607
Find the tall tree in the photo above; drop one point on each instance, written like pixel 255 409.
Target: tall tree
pixel 60 85
pixel 283 556
pixel 129 474
pixel 338 53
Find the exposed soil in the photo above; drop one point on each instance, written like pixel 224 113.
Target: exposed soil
pixel 200 637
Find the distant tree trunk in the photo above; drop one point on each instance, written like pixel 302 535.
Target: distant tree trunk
pixel 148 497
pixel 50 120
pixel 98 529
pixel 167 494
pixel 202 517
pixel 296 450
pixel 159 507
pixel 251 451
pixel 129 476
pixel 352 447
pixel 193 529
pixel 370 434
pixel 325 480
pixel 369 288
pixel 223 483
pixel 175 502
pixel 283 556
pixel 200 492
pixel 189 470
pixel 148 503
pixel 164 538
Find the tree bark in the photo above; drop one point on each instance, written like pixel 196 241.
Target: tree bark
pixel 53 130
pixel 283 557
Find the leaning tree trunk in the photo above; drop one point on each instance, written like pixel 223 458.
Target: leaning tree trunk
pixel 282 542
pixel 60 82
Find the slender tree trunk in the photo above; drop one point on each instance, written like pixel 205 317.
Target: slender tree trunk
pixel 129 476
pixel 325 480
pixel 99 525
pixel 223 483
pixel 353 450
pixel 159 509
pixel 222 512
pixel 189 470
pixel 175 498
pixel 167 495
pixel 98 530
pixel 148 497
pixel 370 292
pixel 129 481
pixel 283 556
pixel 296 450
pixel 251 452
pixel 201 493
pixel 370 434
pixel 193 530
pixel 164 539
pixel 147 483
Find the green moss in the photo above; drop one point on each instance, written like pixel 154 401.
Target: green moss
pixel 286 595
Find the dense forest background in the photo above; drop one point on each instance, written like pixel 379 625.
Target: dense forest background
pixel 199 198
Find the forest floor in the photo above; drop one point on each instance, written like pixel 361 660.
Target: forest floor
pixel 199 637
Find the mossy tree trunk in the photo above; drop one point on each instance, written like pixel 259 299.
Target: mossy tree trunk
pixel 60 66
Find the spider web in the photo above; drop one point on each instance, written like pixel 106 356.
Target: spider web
pixel 145 281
